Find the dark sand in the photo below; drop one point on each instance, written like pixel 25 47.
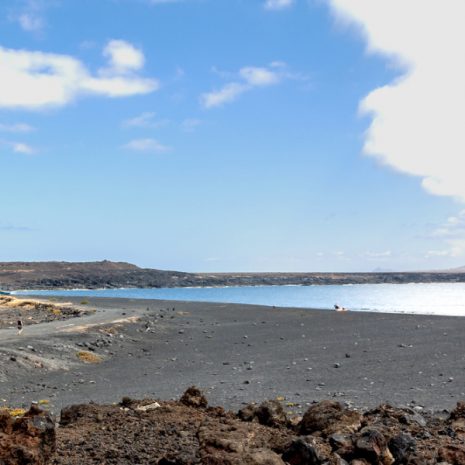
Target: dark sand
pixel 238 354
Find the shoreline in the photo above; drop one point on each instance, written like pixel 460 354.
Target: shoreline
pixel 223 286
pixel 305 301
pixel 236 353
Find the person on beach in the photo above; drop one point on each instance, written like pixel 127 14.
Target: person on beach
pixel 20 326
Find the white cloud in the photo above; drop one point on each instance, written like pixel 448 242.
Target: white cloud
pixel 29 14
pixel 33 80
pixel 16 127
pixel 123 57
pixel 248 78
pixel 453 227
pixel 25 149
pixel 147 145
pixel 259 76
pixel 226 94
pixel 417 120
pixel 452 232
pixel 278 4
pixel 145 120
pixel 455 249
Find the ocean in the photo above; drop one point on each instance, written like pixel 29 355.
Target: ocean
pixel 429 299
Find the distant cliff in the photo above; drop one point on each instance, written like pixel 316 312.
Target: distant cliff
pixel 106 274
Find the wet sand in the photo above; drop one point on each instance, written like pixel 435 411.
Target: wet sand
pixel 236 354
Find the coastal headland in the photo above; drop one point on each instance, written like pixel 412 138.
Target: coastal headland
pixel 107 274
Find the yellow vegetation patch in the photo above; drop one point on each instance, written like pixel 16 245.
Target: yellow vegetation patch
pixel 29 305
pixel 43 402
pixel 88 357
pixel 14 412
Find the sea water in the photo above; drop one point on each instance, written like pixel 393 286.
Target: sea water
pixel 437 298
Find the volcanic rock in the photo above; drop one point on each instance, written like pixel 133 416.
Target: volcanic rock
pixel 268 413
pixel 29 440
pixel 193 397
pixel 301 453
pixel 329 417
pixel 372 446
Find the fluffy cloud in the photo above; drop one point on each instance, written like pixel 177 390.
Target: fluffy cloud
pixel 248 78
pixel 278 4
pixel 147 145
pixel 33 80
pixel 123 58
pixel 417 120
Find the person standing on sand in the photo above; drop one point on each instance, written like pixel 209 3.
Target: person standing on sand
pixel 20 326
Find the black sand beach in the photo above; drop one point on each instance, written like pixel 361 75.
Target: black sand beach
pixel 236 354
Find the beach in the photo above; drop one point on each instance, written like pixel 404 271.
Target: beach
pixel 236 354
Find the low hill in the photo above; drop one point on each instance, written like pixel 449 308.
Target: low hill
pixel 106 274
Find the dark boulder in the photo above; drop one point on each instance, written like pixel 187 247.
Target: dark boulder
pixel 402 447
pixel 301 453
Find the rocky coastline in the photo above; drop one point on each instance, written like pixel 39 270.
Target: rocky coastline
pixel 106 274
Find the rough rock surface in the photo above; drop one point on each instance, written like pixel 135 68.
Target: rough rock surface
pixel 187 433
pixel 28 440
pixel 268 413
pixel 190 433
pixel 329 417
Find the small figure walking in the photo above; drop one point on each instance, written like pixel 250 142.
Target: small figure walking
pixel 20 326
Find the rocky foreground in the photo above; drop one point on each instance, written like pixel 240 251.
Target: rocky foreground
pixel 188 432
pixel 106 274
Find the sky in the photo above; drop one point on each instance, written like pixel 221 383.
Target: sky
pixel 233 135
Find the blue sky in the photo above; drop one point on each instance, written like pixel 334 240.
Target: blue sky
pixel 224 135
